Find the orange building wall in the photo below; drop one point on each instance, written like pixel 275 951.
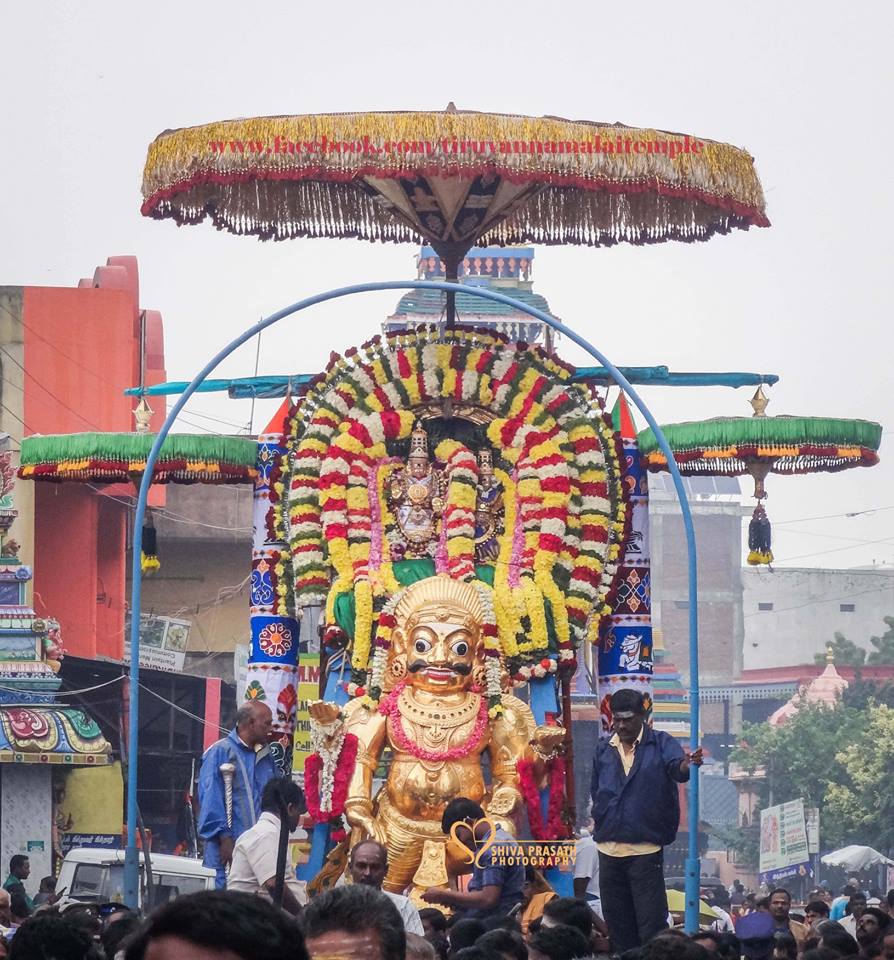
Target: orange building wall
pixel 81 351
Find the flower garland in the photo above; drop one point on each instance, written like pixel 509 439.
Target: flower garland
pixel 567 474
pixel 390 708
pixel 327 775
pixel 458 525
pixel 555 828
pixel 492 666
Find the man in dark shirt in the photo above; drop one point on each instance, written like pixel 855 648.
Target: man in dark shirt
pixel 19 870
pixel 496 884
pixel 636 808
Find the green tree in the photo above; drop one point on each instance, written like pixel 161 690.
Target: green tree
pixel 862 801
pixel 884 645
pixel 845 652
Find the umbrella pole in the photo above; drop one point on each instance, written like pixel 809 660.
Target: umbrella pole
pixel 451 268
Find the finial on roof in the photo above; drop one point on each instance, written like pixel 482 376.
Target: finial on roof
pixel 450 108
pixel 759 402
pixel 830 653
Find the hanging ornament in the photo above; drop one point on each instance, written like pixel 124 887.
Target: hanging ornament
pixel 149 562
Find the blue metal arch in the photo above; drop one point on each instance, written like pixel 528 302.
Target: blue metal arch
pixel 131 862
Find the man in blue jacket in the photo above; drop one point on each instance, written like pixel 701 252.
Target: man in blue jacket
pixel 246 748
pixel 636 808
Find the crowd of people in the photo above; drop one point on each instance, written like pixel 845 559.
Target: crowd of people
pixel 358 921
pixel 503 911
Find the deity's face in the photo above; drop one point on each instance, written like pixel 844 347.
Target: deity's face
pixel 441 655
pixel 418 467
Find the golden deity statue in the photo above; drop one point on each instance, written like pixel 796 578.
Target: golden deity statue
pixel 434 718
pixel 488 510
pixel 416 495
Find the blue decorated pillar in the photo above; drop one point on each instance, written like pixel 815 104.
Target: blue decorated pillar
pixel 625 643
pixel 273 654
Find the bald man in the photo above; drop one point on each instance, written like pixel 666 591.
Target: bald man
pixel 368 864
pixel 246 748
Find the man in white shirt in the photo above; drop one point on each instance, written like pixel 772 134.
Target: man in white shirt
pixel 586 870
pixel 253 868
pixel 368 864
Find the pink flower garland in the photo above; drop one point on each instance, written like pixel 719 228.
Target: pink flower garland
pixel 555 827
pixel 344 769
pixel 389 707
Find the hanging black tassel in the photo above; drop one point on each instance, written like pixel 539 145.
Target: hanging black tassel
pixel 149 562
pixel 760 536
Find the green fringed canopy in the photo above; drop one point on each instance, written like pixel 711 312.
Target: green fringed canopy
pixel 119 457
pixel 734 445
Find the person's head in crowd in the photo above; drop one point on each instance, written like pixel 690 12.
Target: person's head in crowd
pixel 628 714
pixel 785 947
pixel 215 924
pixel 507 943
pixel 465 933
pixel 815 911
pixel 355 921
pixel 84 916
pixel 888 943
pixel 780 905
pixel 50 936
pixel 756 931
pixel 19 866
pixel 460 817
pixel 418 948
pixel 725 946
pixel 5 908
pixel 282 793
pixel 820 953
pixel 834 936
pixel 368 863
pixel 434 923
pixel 889 899
pixel 709 939
pixel 254 721
pixel 474 953
pixel 762 903
pixel 47 885
pixel 121 926
pixel 673 945
pixel 872 926
pixel 856 905
pixel 848 890
pixel 721 898
pixel 558 943
pixel 569 912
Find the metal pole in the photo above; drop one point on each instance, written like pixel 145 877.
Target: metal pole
pixel 131 861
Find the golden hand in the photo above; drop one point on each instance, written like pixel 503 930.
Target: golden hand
pixel 323 713
pixel 549 741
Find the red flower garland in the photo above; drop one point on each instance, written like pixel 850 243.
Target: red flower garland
pixel 555 827
pixel 344 768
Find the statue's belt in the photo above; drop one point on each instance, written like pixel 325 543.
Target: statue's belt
pixel 427 829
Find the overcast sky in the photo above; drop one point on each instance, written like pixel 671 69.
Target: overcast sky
pixel 805 87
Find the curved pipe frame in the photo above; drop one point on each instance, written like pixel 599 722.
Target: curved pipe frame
pixel 131 861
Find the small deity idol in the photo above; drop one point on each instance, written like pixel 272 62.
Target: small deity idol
pixel 488 510
pixel 416 495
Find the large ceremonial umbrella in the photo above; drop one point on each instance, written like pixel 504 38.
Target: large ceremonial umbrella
pixel 453 179
pixel 759 445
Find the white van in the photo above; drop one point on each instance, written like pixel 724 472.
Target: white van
pixel 95 875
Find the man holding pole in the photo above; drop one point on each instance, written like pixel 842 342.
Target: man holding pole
pixel 636 808
pixel 234 772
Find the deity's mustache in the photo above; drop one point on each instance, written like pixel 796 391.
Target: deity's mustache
pixel 463 669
